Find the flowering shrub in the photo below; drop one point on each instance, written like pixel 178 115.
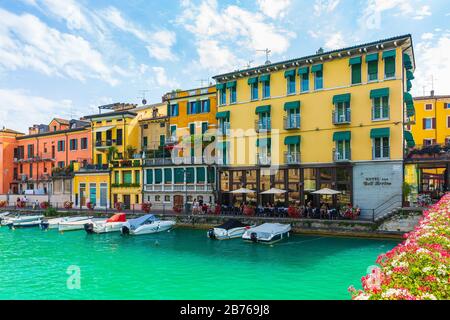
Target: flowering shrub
pixel 90 206
pixel 146 207
pixel 417 269
pixel 2 204
pixel 68 205
pixel 44 205
pixel 21 204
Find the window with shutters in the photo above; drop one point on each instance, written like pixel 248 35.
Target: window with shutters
pixel 254 90
pixel 232 95
pixel 380 109
pixel 223 97
pixel 389 68
pixel 429 123
pixel 428 107
pixel 266 89
pixel 356 73
pixel 372 69
pixel 381 148
pixel 448 122
pixel 290 84
pixel 429 142
pixel 304 85
pixel 84 143
pixel 318 80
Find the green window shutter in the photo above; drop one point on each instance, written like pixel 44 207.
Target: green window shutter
pixel 211 175
pixel 204 127
pixel 264 78
pixel 389 66
pixel 201 176
pixel 304 70
pixel 190 172
pixel 294 105
pixel 192 128
pixel 149 176
pixel 356 73
pixel 292 140
pixel 252 80
pixel 409 75
pixel 409 139
pixel 162 140
pixel 342 136
pixel 158 176
pixel 380 133
pixel 289 73
pixel 355 60
pixel 379 93
pixel 342 98
pixel 263 142
pixel 137 176
pixel 116 177
pixel 167 175
pixel 317 68
pixel 223 115
pixel 373 67
pixel 179 175
pixel 220 86
pixel 389 54
pixel 410 110
pixel 127 177
pixel 263 109
pixel 231 84
pixel 408 85
pixel 372 57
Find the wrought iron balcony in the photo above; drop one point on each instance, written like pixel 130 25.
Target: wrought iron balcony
pixel 105 144
pixel 264 159
pixel 292 122
pixel 342 156
pixel 292 157
pixel 342 117
pixel 263 125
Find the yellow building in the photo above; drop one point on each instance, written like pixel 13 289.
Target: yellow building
pixel 330 120
pixel 91 185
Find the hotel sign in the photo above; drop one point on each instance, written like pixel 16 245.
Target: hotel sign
pixel 377 181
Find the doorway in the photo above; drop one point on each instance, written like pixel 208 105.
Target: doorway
pixel 127 201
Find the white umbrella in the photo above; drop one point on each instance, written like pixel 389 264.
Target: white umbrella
pixel 274 191
pixel 326 192
pixel 242 191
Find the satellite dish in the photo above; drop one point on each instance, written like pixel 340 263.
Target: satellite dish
pixel 144 102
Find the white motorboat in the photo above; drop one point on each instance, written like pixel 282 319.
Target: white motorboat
pixel 54 223
pixel 267 233
pixel 113 224
pixel 4 216
pixel 231 229
pixel 146 225
pixel 77 225
pixel 24 222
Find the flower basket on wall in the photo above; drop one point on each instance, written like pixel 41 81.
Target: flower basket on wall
pixel 68 205
pixel 146 207
pixel 44 205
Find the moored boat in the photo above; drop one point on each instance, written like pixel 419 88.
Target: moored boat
pixel 76 225
pixel 54 223
pixel 24 221
pixel 231 229
pixel 113 224
pixel 267 233
pixel 146 225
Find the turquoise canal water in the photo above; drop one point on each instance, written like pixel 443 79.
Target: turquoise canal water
pixel 181 264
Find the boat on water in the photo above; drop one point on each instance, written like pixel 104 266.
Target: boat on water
pixel 147 224
pixel 23 221
pixel 77 225
pixel 267 233
pixel 113 224
pixel 231 229
pixel 54 223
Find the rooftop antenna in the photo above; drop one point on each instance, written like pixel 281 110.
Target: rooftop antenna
pixel 267 52
pixel 249 64
pixel 202 81
pixel 144 100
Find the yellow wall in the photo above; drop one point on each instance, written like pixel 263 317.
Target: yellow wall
pixel 442 131
pixel 97 179
pixel 121 190
pixel 316 112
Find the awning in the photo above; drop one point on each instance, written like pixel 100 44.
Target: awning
pixel 409 75
pixel 220 86
pixel 380 133
pixel 223 115
pixel 294 105
pixel 263 142
pixel 289 73
pixel 264 78
pixel 355 60
pixel 389 54
pixel 303 70
pixel 342 136
pixel 253 80
pixel 410 110
pixel 263 109
pixel 372 57
pixel 342 98
pixel 408 85
pixel 408 99
pixel 317 68
pixel 104 129
pixel 292 140
pixel 231 84
pixel 409 139
pixel 407 61
pixel 379 93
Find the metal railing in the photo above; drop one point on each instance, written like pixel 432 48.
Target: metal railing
pixel 263 125
pixel 178 187
pixel 342 117
pixel 343 156
pixel 292 122
pixel 292 157
pixel 264 159
pixel 224 129
pixel 106 143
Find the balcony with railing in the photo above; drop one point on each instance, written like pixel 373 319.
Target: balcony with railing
pixel 292 158
pixel 263 125
pixel 178 187
pixel 264 159
pixel 342 155
pixel 131 163
pixel 342 117
pixel 94 168
pixel 105 144
pixel 224 129
pixel 292 122
pixel 380 153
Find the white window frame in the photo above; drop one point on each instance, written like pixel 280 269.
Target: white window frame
pixel 382 117
pixel 382 155
pixel 431 124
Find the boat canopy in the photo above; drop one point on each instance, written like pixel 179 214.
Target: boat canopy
pixel 135 223
pixel 271 228
pixel 120 217
pixel 231 224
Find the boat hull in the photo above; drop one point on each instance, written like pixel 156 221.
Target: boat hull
pixel 155 227
pixel 74 226
pixel 109 227
pixel 267 233
pixel 222 234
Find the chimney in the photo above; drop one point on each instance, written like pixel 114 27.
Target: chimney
pixel 432 93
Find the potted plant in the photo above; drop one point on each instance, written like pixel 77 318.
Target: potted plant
pixel 130 151
pixel 2 204
pixel 146 207
pixel 407 190
pixel 68 205
pixel 118 206
pixel 90 206
pixel 44 205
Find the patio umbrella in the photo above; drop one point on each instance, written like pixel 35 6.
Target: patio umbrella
pixel 326 192
pixel 274 191
pixel 242 191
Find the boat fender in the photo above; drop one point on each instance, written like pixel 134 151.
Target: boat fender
pixel 211 234
pixel 89 228
pixel 125 230
pixel 254 237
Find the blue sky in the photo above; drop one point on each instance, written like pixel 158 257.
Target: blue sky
pixel 65 57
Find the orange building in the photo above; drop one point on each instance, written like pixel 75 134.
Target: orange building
pixel 47 152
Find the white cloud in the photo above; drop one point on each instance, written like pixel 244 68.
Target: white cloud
pixel 27 43
pixel 21 110
pixel 432 61
pixel 335 41
pixel 325 6
pixel 274 8
pixel 162 80
pixel 423 12
pixel 427 36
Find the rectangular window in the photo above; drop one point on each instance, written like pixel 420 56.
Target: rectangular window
pixel 73 144
pixel 232 95
pixel 429 123
pixel 448 122
pixel 205 106
pixel 31 170
pixel 318 80
pixel 305 82
pixel 254 91
pixel 137 177
pixel 93 193
pixel 173 131
pixel 428 107
pixel 162 140
pixel 61 146
pixel 116 177
pixel 192 107
pixel 223 97
pixel 266 89
pixel 61 164
pixel 380 109
pixel 149 176
pixel 372 68
pixel 174 110
pixel 356 73
pixel 381 148
pixel 84 143
pixel 127 177
pixel 389 68
pixel 342 112
pixel 343 150
pixel 204 127
pixel 119 137
pixel 446 106
pixel 145 142
pixel 429 142
pixel 167 175
pixel 290 84
pixel 192 129
pixel 30 149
